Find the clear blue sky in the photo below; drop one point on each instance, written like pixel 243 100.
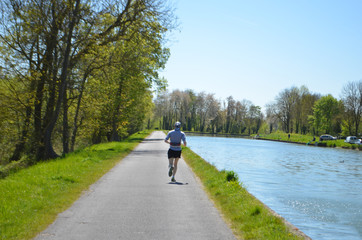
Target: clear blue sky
pixel 254 49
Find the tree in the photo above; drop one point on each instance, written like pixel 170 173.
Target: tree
pixel 47 45
pixel 271 116
pixel 212 108
pixel 286 103
pixel 306 109
pixel 352 100
pixel 202 112
pixel 255 118
pixel 324 112
pixel 230 113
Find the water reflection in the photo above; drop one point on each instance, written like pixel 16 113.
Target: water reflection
pixel 316 189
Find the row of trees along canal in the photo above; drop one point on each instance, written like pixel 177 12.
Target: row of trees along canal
pixel 295 110
pixel 75 72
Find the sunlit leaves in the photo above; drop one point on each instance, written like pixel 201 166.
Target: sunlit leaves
pixel 116 51
pixel 324 112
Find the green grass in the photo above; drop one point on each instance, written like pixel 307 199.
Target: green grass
pixel 282 136
pixel 31 198
pixel 247 216
pixel 299 138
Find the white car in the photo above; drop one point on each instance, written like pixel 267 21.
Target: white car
pixel 352 140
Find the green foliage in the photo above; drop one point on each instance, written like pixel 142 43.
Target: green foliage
pixel 324 112
pixel 232 176
pixel 31 198
pixel 256 211
pixel 65 87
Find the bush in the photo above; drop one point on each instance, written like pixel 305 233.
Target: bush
pixel 232 176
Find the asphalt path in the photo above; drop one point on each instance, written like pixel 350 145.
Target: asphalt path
pixel 137 200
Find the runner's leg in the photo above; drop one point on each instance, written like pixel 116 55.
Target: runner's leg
pixel 170 160
pixel 175 167
pixel 170 166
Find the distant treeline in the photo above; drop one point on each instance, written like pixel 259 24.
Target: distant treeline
pixel 77 72
pixel 294 110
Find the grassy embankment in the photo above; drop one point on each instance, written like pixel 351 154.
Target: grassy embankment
pixel 307 139
pixel 247 216
pixel 31 198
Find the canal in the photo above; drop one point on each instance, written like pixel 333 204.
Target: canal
pixel 319 190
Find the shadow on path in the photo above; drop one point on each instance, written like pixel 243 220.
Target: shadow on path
pixel 178 183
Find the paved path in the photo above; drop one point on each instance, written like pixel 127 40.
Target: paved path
pixel 136 200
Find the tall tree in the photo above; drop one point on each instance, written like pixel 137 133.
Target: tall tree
pixel 271 117
pixel 255 118
pixel 306 109
pixel 352 100
pixel 324 112
pixel 286 103
pixel 230 113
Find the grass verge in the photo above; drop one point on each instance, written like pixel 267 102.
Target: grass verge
pixel 247 216
pixel 31 198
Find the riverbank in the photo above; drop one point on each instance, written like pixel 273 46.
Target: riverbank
pixel 248 217
pixel 215 134
pixel 306 140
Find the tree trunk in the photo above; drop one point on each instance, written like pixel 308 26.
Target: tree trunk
pixel 20 146
pixel 357 121
pixel 75 128
pixel 65 124
pixel 37 147
pixel 48 146
pixel 40 123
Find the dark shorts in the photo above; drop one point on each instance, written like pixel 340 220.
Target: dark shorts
pixel 173 154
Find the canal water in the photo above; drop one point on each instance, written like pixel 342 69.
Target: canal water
pixel 319 190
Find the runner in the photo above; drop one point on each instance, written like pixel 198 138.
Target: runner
pixel 174 153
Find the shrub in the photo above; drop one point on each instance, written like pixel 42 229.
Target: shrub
pixel 232 176
pixel 256 211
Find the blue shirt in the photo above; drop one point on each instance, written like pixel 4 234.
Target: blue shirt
pixel 175 137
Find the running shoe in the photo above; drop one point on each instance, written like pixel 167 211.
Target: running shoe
pixel 173 179
pixel 170 171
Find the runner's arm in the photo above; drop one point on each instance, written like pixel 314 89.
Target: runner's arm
pixel 183 138
pixel 167 139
